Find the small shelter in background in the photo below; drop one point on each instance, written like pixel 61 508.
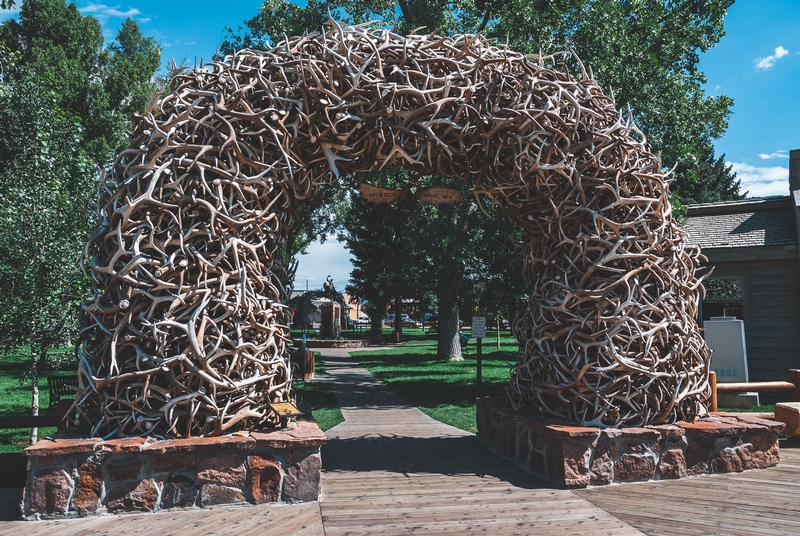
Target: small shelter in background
pixel 753 247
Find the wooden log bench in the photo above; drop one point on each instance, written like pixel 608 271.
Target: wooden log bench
pixel 788 413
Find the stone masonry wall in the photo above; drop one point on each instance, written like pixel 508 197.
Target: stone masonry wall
pixel 579 456
pixel 77 477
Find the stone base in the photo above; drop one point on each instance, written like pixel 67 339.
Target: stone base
pixel 789 414
pixel 71 476
pixel 581 456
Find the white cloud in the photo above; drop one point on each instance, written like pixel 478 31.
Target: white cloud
pixel 769 61
pixel 762 181
pixel 783 153
pixel 102 10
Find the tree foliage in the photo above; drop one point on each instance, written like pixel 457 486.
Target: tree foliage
pixel 644 51
pixel 65 105
pixel 386 262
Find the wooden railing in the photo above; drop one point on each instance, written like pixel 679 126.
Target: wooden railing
pixel 38 421
pixel 792 386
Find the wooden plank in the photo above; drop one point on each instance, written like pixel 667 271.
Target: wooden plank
pixel 735 387
pixel 28 421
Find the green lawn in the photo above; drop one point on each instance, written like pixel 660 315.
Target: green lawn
pixel 319 394
pixel 15 398
pixel 444 390
pixel 763 408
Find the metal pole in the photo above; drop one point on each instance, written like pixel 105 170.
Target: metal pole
pixel 480 368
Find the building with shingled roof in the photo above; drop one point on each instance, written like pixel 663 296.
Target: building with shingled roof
pixel 752 246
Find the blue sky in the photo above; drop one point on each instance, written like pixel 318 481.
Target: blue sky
pixel 757 63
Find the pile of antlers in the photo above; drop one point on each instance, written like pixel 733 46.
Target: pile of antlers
pixel 187 333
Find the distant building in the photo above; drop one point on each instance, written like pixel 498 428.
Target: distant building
pixel 753 247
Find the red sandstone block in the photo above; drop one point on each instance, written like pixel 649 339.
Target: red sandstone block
pixel 765 452
pixel 755 425
pixel 668 430
pixel 696 455
pixel 728 461
pixel 224 469
pixel 63 446
pixel 124 469
pixel 568 431
pixel 715 427
pixel 169 463
pixel 125 444
pixel 50 491
pixel 133 497
pixel 189 444
pixel 306 435
pixel 633 467
pixel 301 479
pixel 265 479
pixel 630 433
pixel 88 488
pixel 576 463
pixel 672 464
pixel 601 471
pixel 213 495
pixel 179 491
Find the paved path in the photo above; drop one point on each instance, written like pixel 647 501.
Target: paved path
pixel 390 469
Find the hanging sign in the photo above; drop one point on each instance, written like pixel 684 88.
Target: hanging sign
pixel 378 195
pixel 432 196
pixel 439 196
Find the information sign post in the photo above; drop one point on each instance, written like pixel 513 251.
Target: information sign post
pixel 479 332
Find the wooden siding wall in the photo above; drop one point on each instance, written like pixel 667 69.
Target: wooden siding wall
pixel 772 310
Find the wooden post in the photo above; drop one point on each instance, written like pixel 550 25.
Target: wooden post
pixel 712 381
pixel 794 377
pixel 63 413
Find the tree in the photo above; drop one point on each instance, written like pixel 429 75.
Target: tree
pixel 494 269
pixel 385 263
pixel 708 180
pixel 65 105
pixel 46 187
pixel 644 51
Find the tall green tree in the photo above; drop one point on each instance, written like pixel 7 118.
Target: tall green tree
pixel 644 51
pixel 708 179
pixel 65 105
pixel 386 257
pixel 46 188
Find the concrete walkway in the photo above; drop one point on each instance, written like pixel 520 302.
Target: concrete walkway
pixel 391 469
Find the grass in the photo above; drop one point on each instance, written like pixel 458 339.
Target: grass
pixel 15 398
pixel 445 390
pixel 763 408
pixel 320 396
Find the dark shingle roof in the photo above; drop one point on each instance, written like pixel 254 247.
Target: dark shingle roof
pixel 736 224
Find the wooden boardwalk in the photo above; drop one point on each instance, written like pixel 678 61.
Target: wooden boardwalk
pixel 390 469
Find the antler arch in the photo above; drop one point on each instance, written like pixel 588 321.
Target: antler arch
pixel 187 330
